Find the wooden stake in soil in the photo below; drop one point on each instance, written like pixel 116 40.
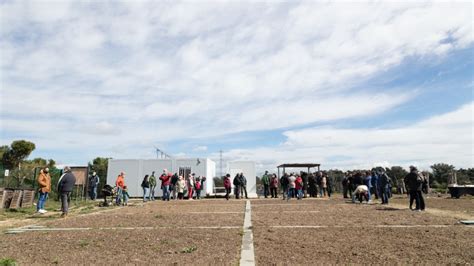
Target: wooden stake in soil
pixel 247 255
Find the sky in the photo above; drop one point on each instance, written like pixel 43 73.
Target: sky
pixel 349 85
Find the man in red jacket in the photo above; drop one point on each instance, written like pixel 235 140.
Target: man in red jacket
pixel 227 186
pixel 165 184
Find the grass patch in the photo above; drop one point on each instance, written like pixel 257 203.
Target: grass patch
pixel 190 249
pixel 7 262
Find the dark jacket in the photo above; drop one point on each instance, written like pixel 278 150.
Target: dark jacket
pixel 413 182
pixel 66 184
pixel 145 183
pixel 384 181
pixel 237 181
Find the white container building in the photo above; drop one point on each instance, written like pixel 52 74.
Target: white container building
pixel 248 169
pixel 136 169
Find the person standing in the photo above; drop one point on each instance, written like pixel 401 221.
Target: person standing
pixel 375 184
pixel 266 184
pixel 173 184
pixel 304 176
pixel 65 185
pixel 328 185
pixel 312 185
pixel 284 185
pixel 180 184
pixel 291 187
pixel 198 187
pixel 384 181
pixel 274 186
pixel 345 185
pixel 119 183
pixel 165 184
pixel 190 184
pixel 299 187
pixel 368 182
pixel 324 186
pixel 414 182
pixel 237 182
pixel 319 182
pixel 152 186
pixel 145 186
pixel 44 183
pixel 243 186
pixel 227 186
pixel 93 184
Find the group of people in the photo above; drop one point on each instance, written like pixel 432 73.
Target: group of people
pixel 360 185
pixel 240 186
pixel 173 186
pixel 297 185
pixel 64 187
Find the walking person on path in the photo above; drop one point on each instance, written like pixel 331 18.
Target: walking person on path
pixel 65 185
pixel 44 183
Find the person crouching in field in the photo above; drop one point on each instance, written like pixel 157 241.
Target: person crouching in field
pixel 44 182
pixel 362 192
pixel 65 185
pixel 180 184
pixel 227 186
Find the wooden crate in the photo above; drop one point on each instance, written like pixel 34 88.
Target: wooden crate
pixel 28 197
pixel 6 195
pixel 16 199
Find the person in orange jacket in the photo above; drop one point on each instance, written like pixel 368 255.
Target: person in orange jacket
pixel 44 182
pixel 120 183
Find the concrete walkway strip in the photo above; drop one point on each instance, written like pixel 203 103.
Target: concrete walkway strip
pixel 50 229
pixel 247 255
pixel 215 212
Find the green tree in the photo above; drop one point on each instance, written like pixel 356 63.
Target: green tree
pixel 442 173
pixel 100 165
pixel 397 174
pixel 18 151
pixel 465 176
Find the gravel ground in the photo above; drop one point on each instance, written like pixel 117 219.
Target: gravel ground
pixel 336 232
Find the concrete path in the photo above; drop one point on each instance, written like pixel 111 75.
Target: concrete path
pixel 247 256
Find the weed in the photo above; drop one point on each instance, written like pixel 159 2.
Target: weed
pixel 158 216
pixel 55 261
pixel 7 262
pixel 190 249
pixel 83 243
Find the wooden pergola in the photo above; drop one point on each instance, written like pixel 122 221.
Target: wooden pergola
pixel 297 165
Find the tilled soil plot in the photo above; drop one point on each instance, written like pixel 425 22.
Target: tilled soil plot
pixel 163 214
pixel 200 232
pixel 99 247
pixel 333 231
pixel 464 204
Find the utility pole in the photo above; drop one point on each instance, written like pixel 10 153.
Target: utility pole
pixel 222 171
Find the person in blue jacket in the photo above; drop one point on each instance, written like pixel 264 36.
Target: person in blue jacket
pixel 368 182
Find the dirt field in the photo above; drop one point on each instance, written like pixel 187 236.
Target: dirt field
pixel 210 232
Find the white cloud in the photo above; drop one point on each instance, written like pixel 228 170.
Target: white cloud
pixel 444 138
pixel 118 77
